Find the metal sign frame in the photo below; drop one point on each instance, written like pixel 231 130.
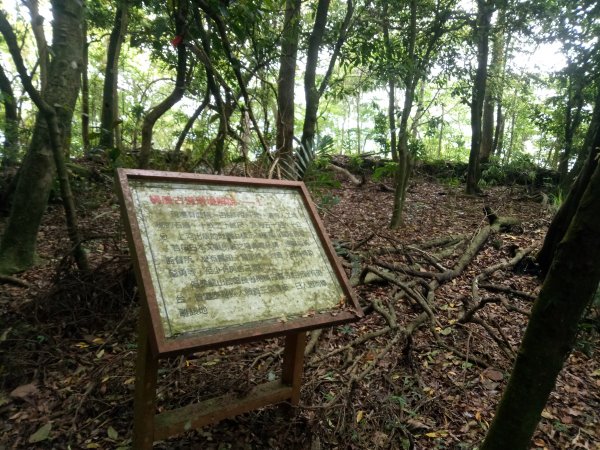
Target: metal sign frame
pixel 187 343
pixel 153 345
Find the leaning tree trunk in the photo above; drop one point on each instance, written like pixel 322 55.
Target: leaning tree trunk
pixel 552 329
pixel 108 119
pixel 484 14
pixel 17 248
pixel 565 214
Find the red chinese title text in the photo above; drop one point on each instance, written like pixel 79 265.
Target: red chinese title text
pixel 192 200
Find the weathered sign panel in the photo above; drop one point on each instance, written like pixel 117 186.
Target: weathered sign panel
pixel 223 255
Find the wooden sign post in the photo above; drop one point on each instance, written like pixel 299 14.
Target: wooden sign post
pixel 219 261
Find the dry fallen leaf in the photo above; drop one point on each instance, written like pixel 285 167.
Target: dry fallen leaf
pixel 24 391
pixel 492 374
pixel 359 416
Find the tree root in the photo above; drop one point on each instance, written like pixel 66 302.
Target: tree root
pixel 14 280
pixel 417 279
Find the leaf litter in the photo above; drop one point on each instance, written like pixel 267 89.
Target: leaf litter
pixel 69 341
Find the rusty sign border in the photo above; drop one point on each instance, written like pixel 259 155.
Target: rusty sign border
pixel 212 338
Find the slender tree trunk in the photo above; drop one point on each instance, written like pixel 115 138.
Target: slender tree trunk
pixel 499 131
pixel 500 48
pixel 110 104
pixel 235 66
pixel 414 127
pixel 11 122
pixel 85 94
pixel 572 121
pixel 190 123
pixel 286 82
pixel 511 142
pixel 441 135
pixel 567 290
pixel 405 159
pixel 157 111
pixel 37 26
pixel 213 87
pixel 17 248
pixel 391 80
pixel 567 210
pixel 487 127
pixel 313 93
pixel 484 14
pixel 310 75
pixel 358 125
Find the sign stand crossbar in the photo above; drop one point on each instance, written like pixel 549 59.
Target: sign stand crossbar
pixel 149 427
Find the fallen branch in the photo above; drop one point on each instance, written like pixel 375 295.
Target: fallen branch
pixel 507 290
pixel 13 280
pixel 314 338
pixel 346 173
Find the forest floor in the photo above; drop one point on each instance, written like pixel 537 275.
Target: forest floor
pixel 424 369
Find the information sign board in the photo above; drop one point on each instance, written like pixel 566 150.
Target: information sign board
pixel 224 259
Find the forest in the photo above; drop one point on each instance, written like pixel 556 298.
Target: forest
pixel 450 148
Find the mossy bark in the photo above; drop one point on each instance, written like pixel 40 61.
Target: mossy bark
pixel 17 248
pixel 568 289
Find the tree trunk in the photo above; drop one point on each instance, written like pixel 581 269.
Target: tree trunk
pixel 441 135
pixel 484 14
pixel 511 142
pixel 85 94
pixel 110 104
pixel 572 121
pixel 215 91
pixel 565 214
pixel 499 50
pixel 310 75
pixel 37 26
pixel 17 248
pixel 157 111
pixel 11 122
pixel 405 159
pixel 487 127
pixel 190 123
pixel 286 82
pixel 552 329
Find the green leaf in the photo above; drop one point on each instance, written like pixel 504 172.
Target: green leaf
pixel 41 434
pixel 446 331
pixel 112 433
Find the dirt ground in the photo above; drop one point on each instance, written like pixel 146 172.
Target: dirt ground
pixel 401 378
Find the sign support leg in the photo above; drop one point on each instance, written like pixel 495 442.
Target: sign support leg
pixel 293 361
pixel 144 404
